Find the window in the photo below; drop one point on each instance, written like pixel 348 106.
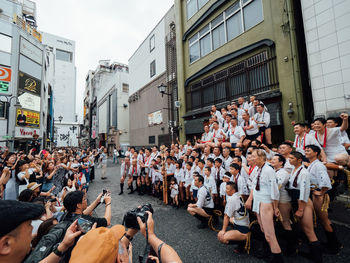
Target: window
pixel 218 32
pixel 5 43
pixel 193 6
pixel 2 109
pixel 125 88
pixel 252 14
pixel 239 17
pixel 234 26
pixel 153 68
pixel 151 139
pixel 64 55
pixel 152 43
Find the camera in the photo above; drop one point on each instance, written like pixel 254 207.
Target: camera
pixel 130 218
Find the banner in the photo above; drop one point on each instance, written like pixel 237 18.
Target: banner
pixel 26 118
pixel 29 83
pixel 155 118
pixel 5 79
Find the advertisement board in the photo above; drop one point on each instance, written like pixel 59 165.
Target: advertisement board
pixel 155 118
pixel 5 79
pixel 26 132
pixel 26 118
pixel 28 83
pixel 29 101
pixel 31 51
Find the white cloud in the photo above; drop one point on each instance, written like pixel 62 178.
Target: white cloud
pixel 103 29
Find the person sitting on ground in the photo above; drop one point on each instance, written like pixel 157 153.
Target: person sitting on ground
pixel 235 213
pixel 204 207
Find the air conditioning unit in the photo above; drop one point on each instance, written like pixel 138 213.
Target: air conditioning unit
pixel 177 104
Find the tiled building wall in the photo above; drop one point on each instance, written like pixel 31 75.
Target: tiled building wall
pixel 327 33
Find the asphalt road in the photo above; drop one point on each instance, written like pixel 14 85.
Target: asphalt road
pixel 178 229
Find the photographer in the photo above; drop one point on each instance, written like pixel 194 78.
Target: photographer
pixel 114 245
pixel 76 204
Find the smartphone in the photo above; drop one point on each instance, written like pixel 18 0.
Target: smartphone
pixel 84 225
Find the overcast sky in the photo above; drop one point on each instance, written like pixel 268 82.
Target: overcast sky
pixel 101 29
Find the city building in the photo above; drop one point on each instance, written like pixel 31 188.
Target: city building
pixel 153 117
pixel 229 49
pixel 66 128
pixel 24 106
pixel 327 33
pixel 106 109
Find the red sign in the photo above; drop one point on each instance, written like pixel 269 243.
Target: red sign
pixel 5 74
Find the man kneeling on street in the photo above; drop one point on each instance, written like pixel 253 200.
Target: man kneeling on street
pixel 204 207
pixel 235 213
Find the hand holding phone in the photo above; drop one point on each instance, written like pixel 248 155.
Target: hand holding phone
pixel 84 225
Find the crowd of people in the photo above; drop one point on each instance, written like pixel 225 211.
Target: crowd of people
pixel 45 216
pixel 234 168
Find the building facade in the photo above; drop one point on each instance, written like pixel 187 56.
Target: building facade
pixel 24 106
pixel 152 114
pixel 106 108
pixel 327 33
pixel 64 89
pixel 229 49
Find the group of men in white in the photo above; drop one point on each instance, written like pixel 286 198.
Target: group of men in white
pixel 230 169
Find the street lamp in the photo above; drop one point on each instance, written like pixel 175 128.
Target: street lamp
pixel 162 87
pixel 9 98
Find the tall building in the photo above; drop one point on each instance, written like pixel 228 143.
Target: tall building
pixel 229 49
pixel 24 106
pixel 327 33
pixel 64 89
pixel 152 114
pixel 106 109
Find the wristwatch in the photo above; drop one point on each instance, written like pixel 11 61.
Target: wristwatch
pixel 57 252
pixel 128 237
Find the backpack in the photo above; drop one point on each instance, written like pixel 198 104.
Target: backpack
pixel 47 242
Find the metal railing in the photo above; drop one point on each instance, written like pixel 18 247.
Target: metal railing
pixel 254 75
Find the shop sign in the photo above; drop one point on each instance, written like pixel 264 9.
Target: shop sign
pixel 26 27
pixel 28 83
pixel 31 51
pixel 5 79
pixel 93 128
pixel 26 118
pixel 26 132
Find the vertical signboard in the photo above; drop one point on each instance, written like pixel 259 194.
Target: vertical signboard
pixel 5 80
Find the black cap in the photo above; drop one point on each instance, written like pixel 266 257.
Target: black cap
pixel 13 213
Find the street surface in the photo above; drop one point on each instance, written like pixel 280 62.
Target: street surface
pixel 178 229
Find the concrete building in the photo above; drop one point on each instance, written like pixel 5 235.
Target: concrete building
pixel 106 108
pixel 64 89
pixel 327 33
pixel 152 115
pixel 228 49
pixel 21 76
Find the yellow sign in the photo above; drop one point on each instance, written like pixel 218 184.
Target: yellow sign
pixel 26 118
pixel 21 23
